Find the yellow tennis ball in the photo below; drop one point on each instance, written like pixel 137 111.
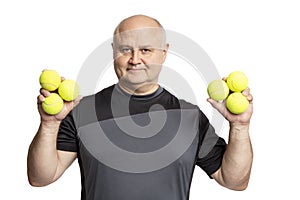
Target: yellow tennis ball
pixel 53 104
pixel 218 90
pixel 237 81
pixel 50 80
pixel 68 90
pixel 237 103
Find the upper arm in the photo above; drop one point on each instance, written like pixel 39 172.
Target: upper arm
pixel 65 159
pixel 211 151
pixel 66 145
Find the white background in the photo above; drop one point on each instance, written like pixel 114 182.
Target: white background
pixel 262 38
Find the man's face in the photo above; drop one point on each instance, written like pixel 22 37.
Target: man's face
pixel 139 55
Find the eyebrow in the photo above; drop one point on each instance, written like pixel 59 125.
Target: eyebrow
pixel 140 47
pixel 146 47
pixel 123 45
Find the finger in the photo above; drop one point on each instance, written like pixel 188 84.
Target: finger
pixel 40 99
pixel 224 79
pixel 247 94
pixel 44 92
pixel 250 98
pixel 246 91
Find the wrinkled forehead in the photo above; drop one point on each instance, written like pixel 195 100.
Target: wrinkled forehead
pixel 153 37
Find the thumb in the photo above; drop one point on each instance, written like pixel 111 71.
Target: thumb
pixel 219 106
pixel 214 103
pixel 77 100
pixel 71 104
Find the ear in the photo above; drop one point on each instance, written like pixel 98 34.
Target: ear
pixel 112 46
pixel 165 51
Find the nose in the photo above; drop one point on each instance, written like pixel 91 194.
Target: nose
pixel 135 58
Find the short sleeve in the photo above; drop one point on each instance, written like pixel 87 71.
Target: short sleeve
pixel 211 148
pixel 67 135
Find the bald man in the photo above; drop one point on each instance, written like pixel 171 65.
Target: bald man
pixel 134 139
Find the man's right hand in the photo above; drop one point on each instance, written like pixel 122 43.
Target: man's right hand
pixel 45 164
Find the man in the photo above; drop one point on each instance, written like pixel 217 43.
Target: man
pixel 145 121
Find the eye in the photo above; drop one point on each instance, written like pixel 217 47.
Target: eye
pixel 126 50
pixel 145 51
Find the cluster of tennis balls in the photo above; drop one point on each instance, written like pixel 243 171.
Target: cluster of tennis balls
pixel 231 91
pixel 60 91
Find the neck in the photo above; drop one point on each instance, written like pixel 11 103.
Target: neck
pixel 139 90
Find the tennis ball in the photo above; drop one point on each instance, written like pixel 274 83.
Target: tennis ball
pixel 68 90
pixel 237 103
pixel 50 80
pixel 53 104
pixel 237 81
pixel 218 90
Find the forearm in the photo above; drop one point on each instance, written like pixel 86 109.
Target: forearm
pixel 237 160
pixel 42 160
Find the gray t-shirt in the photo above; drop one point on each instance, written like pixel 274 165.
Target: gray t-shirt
pixel 139 147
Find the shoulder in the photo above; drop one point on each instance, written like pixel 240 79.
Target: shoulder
pixel 185 105
pixel 182 102
pixel 104 93
pixel 87 110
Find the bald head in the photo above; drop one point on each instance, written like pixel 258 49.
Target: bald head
pixel 139 30
pixel 137 22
